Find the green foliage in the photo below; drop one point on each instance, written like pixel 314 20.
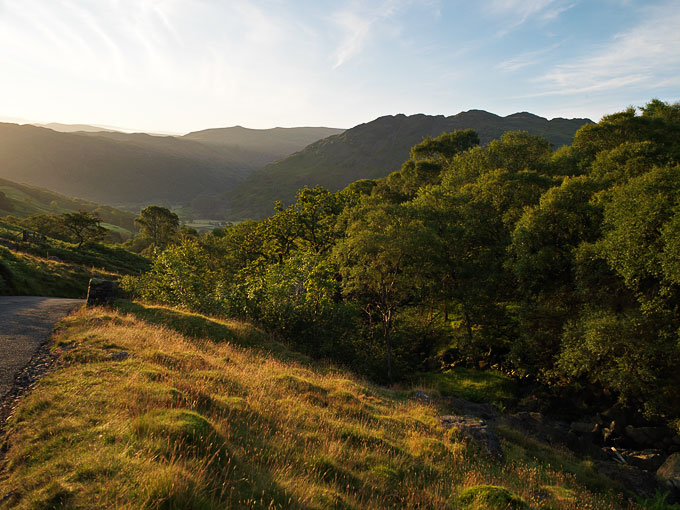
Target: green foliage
pixel 561 267
pixel 183 275
pixel 489 497
pixel 376 149
pixel 446 145
pixel 159 224
pixel 83 227
pixel 476 385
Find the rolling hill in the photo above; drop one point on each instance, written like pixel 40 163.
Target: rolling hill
pixel 22 200
pixel 270 144
pixel 134 170
pixel 373 150
pixel 74 128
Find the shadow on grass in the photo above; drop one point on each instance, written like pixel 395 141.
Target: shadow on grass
pixel 198 326
pixel 474 385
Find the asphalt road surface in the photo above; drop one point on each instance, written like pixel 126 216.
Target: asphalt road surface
pixel 26 323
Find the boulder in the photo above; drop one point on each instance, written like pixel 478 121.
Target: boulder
pixel 421 396
pixel 649 460
pixel 640 482
pixel 584 427
pixel 101 292
pixel 669 472
pixel 647 436
pixel 478 430
pixel 484 411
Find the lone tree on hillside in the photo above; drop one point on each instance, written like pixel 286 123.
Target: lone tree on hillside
pixel 83 226
pixel 158 224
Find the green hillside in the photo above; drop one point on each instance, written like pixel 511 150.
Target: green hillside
pixel 270 144
pixel 373 150
pixel 57 268
pixel 135 170
pixel 22 200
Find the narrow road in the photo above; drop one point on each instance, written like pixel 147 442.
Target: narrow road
pixel 26 323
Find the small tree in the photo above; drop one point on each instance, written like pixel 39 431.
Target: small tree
pixel 83 226
pixel 158 224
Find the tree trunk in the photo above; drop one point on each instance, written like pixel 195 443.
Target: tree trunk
pixel 387 325
pixel 468 325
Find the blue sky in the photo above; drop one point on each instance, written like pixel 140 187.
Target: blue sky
pixel 183 65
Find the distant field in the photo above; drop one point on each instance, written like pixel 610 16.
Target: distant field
pixel 205 225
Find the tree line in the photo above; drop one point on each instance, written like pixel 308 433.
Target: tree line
pixel 560 267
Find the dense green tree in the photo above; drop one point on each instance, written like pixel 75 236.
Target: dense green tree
pixel 518 150
pixel 315 213
pixel 46 224
pixel 159 224
pixel 445 146
pixel 543 249
pixel 383 264
pixel 428 159
pixel 83 226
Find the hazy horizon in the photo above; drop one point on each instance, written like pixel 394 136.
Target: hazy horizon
pixel 176 66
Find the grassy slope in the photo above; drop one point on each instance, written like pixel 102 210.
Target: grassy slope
pixel 206 413
pixel 26 200
pixel 28 269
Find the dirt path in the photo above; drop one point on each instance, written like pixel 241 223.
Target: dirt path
pixel 26 323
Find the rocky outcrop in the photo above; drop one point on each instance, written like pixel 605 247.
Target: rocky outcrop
pixel 478 430
pixel 484 411
pixel 101 292
pixel 669 472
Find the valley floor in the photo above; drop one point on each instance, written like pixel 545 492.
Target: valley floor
pixel 150 407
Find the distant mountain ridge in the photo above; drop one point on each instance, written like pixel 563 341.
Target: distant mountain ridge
pixel 374 150
pixel 133 170
pixel 281 142
pixel 74 128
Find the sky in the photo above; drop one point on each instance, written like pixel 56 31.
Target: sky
pixel 184 65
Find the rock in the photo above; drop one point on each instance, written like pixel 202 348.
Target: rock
pixel 649 460
pixel 669 472
pixel 647 436
pixel 478 430
pixel 640 482
pixel 584 428
pixel 485 411
pixel 613 454
pixel 535 425
pixel 421 396
pixel 101 292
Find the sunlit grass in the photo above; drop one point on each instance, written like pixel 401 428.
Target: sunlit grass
pixel 475 385
pixel 208 413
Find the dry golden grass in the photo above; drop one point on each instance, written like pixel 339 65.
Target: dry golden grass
pixel 141 416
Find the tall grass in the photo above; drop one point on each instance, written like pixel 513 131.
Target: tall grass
pixel 140 415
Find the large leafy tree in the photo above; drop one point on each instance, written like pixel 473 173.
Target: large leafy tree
pixel 83 226
pixel 383 264
pixel 159 224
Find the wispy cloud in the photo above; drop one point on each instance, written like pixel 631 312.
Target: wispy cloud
pixel 646 56
pixel 357 21
pixel 526 59
pixel 517 12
